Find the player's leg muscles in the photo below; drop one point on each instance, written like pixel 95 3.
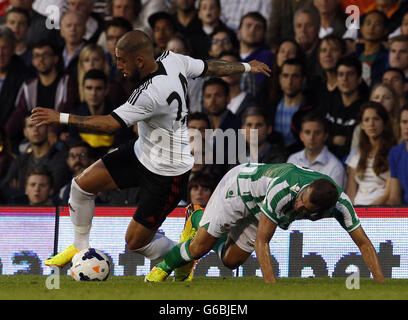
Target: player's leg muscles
pixel 138 237
pixel 233 256
pixel 202 243
pixel 96 178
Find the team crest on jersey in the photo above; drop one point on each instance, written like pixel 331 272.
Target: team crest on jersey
pixel 230 194
pixel 295 188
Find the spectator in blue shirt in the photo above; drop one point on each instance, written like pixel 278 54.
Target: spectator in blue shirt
pixel 398 162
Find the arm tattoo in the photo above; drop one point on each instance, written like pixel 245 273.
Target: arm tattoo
pixel 219 68
pixel 95 123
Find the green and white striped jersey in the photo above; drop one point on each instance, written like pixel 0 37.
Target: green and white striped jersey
pixel 273 189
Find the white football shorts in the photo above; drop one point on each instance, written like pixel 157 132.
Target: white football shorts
pixel 226 213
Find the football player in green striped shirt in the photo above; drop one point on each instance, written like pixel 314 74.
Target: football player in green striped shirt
pixel 243 212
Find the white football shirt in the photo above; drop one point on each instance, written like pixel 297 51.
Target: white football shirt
pixel 159 107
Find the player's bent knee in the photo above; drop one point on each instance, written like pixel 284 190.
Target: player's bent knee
pixel 201 244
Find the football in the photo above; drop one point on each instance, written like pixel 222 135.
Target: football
pixel 90 265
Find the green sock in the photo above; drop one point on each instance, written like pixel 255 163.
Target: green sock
pixel 219 245
pixel 195 218
pixel 177 257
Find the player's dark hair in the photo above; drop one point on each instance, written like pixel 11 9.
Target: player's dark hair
pixel 96 74
pixel 324 194
pixel 219 82
pixel 350 61
pixel 199 116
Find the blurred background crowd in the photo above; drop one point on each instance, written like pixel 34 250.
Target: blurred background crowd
pixel 336 100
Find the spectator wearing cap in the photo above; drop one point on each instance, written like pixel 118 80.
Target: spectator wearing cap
pixel 164 28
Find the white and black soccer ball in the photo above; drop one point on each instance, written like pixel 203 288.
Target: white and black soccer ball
pixel 90 265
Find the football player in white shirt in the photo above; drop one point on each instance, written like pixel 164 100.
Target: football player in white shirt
pixel 159 160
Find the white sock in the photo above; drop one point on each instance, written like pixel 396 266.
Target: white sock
pixel 157 248
pixel 81 209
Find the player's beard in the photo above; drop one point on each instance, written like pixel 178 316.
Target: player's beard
pixel 135 77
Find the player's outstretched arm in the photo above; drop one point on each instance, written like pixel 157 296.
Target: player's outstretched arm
pixel 45 116
pixel 368 252
pixel 220 68
pixel 266 229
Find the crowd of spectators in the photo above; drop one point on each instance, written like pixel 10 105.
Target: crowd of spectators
pixel 336 100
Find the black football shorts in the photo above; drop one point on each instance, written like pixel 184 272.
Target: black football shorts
pixel 158 195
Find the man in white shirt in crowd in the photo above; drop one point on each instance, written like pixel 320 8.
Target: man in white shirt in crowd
pixel 315 155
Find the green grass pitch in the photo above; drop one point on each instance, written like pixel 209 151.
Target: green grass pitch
pixel 31 287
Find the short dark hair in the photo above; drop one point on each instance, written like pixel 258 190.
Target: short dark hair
pixel 314 117
pixel 397 70
pixel 45 43
pixel 96 74
pixel 199 116
pixel 40 171
pixel 295 62
pixel 378 12
pixel 404 108
pixel 20 11
pixel 339 41
pixel 201 179
pixel 79 143
pixel 153 18
pixel 256 16
pixel 255 111
pixel 230 53
pixel 324 194
pixel 350 61
pixel 217 81
pixel 120 23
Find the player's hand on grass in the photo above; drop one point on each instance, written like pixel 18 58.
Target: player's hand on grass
pixel 259 67
pixel 44 116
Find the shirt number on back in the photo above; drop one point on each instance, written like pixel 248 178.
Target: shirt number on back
pixel 175 96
